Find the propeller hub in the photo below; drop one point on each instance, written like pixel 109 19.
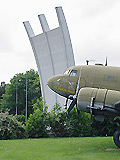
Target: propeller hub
pixel 71 97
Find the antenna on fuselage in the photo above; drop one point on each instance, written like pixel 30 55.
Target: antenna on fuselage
pixel 106 62
pixel 87 61
pixel 91 60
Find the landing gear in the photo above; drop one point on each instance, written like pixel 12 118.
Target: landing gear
pixel 116 138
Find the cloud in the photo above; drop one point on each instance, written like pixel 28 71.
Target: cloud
pixel 94 27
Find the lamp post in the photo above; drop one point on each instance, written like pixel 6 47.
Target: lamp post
pixel 26 99
pixel 16 96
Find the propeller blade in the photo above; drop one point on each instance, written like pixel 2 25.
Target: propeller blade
pixel 73 103
pixel 66 103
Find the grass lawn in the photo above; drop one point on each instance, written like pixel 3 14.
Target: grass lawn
pixel 82 148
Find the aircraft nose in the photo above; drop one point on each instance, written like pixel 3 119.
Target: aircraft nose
pixel 50 82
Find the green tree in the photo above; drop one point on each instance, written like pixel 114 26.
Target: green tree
pixel 2 90
pixel 17 88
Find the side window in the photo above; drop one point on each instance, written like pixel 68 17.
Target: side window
pixel 73 73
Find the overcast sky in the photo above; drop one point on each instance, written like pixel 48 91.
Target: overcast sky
pixel 94 27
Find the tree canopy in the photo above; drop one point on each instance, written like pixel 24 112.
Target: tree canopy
pixel 15 92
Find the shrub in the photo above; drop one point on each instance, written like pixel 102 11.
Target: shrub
pixel 106 128
pixel 10 128
pixel 21 118
pixel 36 125
pixel 57 121
pixel 72 125
pixel 78 124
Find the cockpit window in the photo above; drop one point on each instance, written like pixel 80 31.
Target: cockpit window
pixel 73 73
pixel 67 72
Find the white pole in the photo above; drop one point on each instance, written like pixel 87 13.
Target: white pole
pixel 26 98
pixel 16 96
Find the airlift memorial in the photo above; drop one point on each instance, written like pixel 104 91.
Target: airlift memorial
pixel 53 53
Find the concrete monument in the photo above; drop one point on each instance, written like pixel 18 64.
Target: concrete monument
pixel 53 53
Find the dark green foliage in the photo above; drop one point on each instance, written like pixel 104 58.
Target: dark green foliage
pixel 72 125
pixel 60 124
pixel 36 125
pixel 106 128
pixel 57 121
pixel 17 87
pixel 2 89
pixel 116 123
pixel 10 128
pixel 20 118
pixel 79 124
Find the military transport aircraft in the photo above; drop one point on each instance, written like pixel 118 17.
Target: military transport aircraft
pixel 94 89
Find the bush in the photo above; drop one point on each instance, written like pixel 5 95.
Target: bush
pixel 10 128
pixel 36 125
pixel 21 118
pixel 78 124
pixel 72 125
pixel 57 121
pixel 105 128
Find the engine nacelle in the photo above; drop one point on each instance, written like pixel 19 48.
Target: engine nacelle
pixel 100 101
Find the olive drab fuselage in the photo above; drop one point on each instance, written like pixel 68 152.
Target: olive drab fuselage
pixel 97 76
pixel 99 82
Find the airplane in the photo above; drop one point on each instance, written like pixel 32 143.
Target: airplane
pixel 94 89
